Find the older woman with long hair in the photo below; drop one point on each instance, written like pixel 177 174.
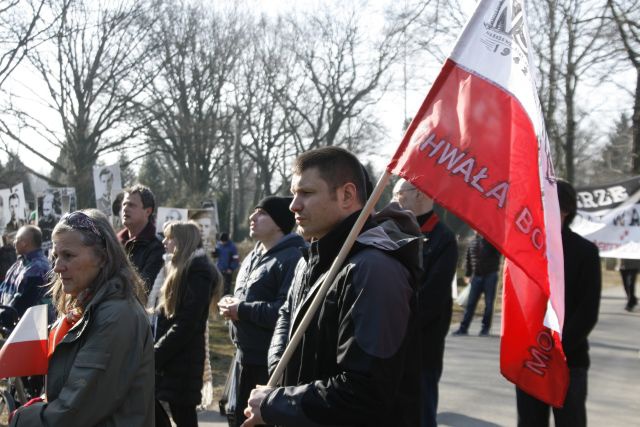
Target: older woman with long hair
pixel 181 316
pixel 101 369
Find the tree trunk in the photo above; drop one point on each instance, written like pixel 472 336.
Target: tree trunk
pixel 635 123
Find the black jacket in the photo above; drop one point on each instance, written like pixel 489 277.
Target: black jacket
pixel 145 252
pixel 582 288
pixel 439 260
pixel 262 285
pixel 482 258
pixel 357 362
pixel 179 347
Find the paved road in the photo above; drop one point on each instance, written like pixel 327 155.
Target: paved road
pixel 474 394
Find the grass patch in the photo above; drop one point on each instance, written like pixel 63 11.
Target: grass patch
pixel 221 353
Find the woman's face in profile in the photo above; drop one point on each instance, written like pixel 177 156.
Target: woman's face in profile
pixel 169 244
pixel 76 264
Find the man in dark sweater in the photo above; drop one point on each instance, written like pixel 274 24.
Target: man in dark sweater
pixel 139 233
pixel 582 287
pixel 482 265
pixel 439 259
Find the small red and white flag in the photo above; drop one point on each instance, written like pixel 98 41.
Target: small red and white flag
pixel 24 353
pixel 478 147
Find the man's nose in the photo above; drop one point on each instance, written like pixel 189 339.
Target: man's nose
pixel 295 205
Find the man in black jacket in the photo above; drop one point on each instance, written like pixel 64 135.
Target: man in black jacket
pixel 357 361
pixel 439 259
pixel 481 271
pixel 139 233
pixel 582 288
pixel 261 288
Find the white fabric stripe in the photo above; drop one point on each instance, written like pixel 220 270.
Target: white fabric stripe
pixel 31 327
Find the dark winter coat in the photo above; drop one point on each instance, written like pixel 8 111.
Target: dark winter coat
pixel 145 252
pixel 262 286
pixel 582 288
pixel 482 258
pixel 358 361
pixel 439 260
pixel 101 373
pixel 179 348
pixel 23 285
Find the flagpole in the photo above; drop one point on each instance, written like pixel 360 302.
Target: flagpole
pixel 328 280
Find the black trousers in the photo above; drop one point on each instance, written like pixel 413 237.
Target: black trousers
pixel 249 377
pixel 629 283
pixel 184 415
pixel 228 289
pixel 535 413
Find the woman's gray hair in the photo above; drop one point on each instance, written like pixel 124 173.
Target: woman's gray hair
pixel 98 235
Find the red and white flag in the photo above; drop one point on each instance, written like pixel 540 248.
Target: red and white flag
pixel 478 147
pixel 24 353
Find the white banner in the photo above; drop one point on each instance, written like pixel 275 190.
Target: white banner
pixel 609 216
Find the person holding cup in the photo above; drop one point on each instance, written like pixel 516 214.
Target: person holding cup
pixel 261 288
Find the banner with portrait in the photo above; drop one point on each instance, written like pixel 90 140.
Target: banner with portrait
pixel 167 214
pixel 52 203
pixel 13 211
pixel 207 220
pixel 609 216
pixel 107 184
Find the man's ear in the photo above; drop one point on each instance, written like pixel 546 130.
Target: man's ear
pixel 349 194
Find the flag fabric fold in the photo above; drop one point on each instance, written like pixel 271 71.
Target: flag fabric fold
pixel 24 353
pixel 478 147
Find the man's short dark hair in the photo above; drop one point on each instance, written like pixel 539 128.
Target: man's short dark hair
pixel 34 234
pixel 146 196
pixel 14 196
pixel 336 166
pixel 105 171
pixel 567 198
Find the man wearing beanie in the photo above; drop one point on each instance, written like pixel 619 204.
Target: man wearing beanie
pixel 261 288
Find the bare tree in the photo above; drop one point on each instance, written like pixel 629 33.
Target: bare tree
pixel 263 77
pixel 340 73
pixel 573 46
pixel 188 107
pixel 90 72
pixel 626 16
pixel 22 24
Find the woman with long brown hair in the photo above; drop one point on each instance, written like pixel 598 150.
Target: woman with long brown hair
pixel 101 349
pixel 181 317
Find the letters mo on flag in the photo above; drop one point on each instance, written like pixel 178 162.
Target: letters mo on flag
pixel 479 148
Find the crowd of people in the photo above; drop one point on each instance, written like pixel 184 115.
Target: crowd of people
pixel 129 335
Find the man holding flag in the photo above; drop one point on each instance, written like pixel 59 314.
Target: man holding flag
pixel 478 147
pixel 357 362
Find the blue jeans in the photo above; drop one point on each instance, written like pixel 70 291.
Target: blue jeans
pixel 479 285
pixel 429 378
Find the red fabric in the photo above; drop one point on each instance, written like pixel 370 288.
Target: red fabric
pixel 473 149
pixel 430 223
pixel 60 329
pixel 23 359
pixel 24 352
pixel 531 354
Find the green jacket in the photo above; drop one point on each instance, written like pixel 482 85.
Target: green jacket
pixel 102 372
